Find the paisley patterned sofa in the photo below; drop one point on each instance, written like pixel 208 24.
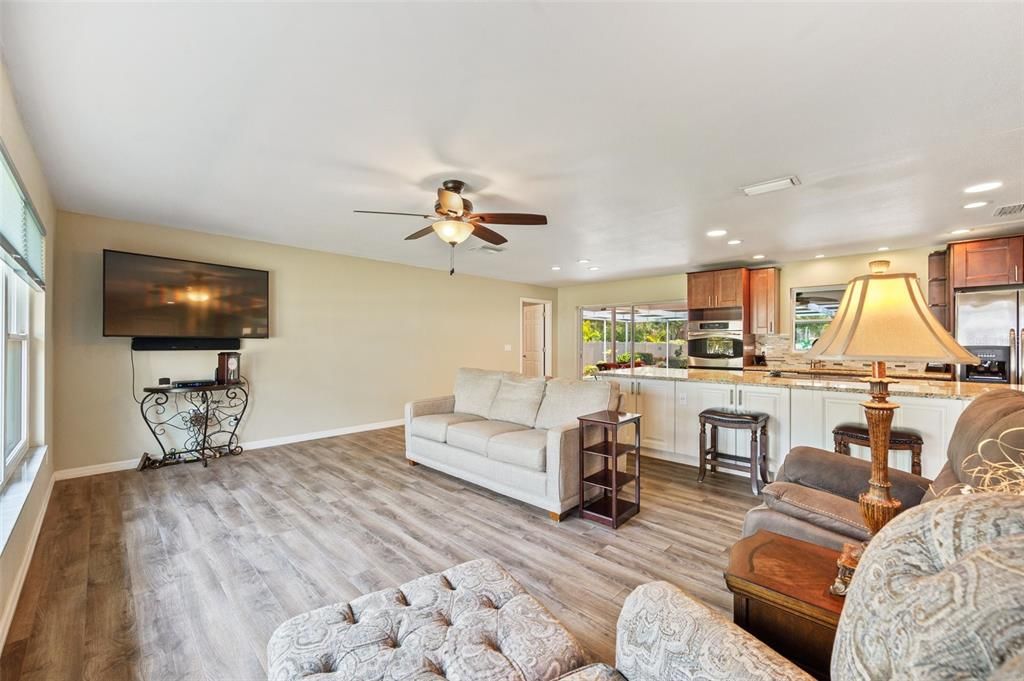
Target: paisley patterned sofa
pixel 939 594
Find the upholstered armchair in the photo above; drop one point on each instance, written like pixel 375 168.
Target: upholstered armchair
pixel 814 495
pixel 939 594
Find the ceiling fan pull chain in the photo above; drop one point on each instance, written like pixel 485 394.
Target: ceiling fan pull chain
pixel 451 272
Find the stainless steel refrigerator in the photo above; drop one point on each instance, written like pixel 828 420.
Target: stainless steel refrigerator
pixel 990 324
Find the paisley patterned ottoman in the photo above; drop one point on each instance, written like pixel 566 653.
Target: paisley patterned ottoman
pixel 472 622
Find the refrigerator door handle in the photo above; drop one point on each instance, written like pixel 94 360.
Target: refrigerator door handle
pixel 1014 357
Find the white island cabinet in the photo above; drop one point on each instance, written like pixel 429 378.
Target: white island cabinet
pixel 817 412
pixel 694 397
pixel 655 399
pixel 800 412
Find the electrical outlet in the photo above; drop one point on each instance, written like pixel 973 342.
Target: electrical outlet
pixel 682 398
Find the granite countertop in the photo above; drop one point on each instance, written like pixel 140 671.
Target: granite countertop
pixel 842 372
pixel 906 387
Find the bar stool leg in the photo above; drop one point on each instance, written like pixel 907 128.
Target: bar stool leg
pixel 714 449
pixel 915 459
pixel 703 451
pixel 764 454
pixel 754 451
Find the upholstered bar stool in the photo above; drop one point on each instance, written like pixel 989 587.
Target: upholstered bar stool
pixel 899 440
pixel 756 464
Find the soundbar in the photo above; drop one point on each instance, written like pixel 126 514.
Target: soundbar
pixel 186 343
pixel 202 383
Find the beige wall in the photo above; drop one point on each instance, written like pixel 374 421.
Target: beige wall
pixel 673 287
pixel 840 270
pixel 15 551
pixel 352 339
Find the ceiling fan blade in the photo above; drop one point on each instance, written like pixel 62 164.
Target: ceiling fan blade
pixel 420 234
pixel 388 212
pixel 488 235
pixel 451 203
pixel 509 218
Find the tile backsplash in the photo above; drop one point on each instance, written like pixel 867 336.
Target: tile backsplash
pixel 779 353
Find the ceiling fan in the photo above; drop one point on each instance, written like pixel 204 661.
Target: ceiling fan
pixel 455 221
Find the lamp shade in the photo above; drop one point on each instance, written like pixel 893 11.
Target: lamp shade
pixel 453 231
pixel 884 317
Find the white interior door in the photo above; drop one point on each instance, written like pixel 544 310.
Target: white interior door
pixel 533 339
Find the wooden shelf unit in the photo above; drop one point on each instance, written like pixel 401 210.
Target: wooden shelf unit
pixel 609 508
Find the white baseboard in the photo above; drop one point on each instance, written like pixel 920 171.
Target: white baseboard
pixel 7 614
pixel 98 469
pixel 129 464
pixel 319 435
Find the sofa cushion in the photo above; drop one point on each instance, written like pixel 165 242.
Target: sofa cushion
pixel 981 420
pixel 526 448
pixel 435 426
pixel 830 511
pixel 999 455
pixel 475 390
pixel 566 399
pixel 471 622
pixel 517 400
pixel 473 435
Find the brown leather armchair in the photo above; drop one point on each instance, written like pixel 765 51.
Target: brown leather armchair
pixel 814 495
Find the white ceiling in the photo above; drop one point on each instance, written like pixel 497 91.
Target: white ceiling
pixel 630 125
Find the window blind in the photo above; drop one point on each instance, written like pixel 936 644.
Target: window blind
pixel 22 236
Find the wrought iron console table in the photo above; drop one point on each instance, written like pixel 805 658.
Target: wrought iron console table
pixel 205 419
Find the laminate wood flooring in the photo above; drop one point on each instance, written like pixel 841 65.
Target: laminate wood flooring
pixel 184 572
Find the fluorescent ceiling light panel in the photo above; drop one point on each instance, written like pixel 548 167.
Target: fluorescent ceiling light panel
pixel 983 187
pixel 771 185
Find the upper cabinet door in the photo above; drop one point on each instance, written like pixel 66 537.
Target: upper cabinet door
pixel 700 290
pixel 764 301
pixel 730 288
pixel 991 262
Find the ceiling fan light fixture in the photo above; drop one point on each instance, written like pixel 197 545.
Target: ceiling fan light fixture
pixel 453 231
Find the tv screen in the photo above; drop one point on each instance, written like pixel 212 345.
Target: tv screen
pixel 146 296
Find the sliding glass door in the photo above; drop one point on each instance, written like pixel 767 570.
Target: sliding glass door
pixel 628 336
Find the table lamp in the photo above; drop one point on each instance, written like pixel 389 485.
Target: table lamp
pixel 884 318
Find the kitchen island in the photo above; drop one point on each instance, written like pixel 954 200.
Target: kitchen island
pixel 802 410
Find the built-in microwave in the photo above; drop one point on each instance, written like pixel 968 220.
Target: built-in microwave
pixel 718 345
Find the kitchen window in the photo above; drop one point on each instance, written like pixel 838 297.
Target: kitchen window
pixel 813 308
pixel 14 368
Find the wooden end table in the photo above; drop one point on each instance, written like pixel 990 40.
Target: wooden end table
pixel 780 595
pixel 609 509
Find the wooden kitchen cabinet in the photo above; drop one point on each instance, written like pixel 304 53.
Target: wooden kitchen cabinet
pixel 700 290
pixel 987 262
pixel 764 301
pixel 720 288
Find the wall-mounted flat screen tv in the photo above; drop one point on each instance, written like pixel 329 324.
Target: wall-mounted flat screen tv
pixel 146 296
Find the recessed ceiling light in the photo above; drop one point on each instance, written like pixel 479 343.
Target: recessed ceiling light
pixel 976 204
pixel 983 187
pixel 555 268
pixel 962 230
pixel 758 257
pixel 594 268
pixel 820 255
pixel 583 261
pixel 883 248
pixel 717 232
pixel 734 242
pixel 770 185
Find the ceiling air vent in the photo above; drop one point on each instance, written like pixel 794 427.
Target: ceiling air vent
pixel 1007 211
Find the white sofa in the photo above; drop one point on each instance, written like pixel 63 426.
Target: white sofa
pixel 515 435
